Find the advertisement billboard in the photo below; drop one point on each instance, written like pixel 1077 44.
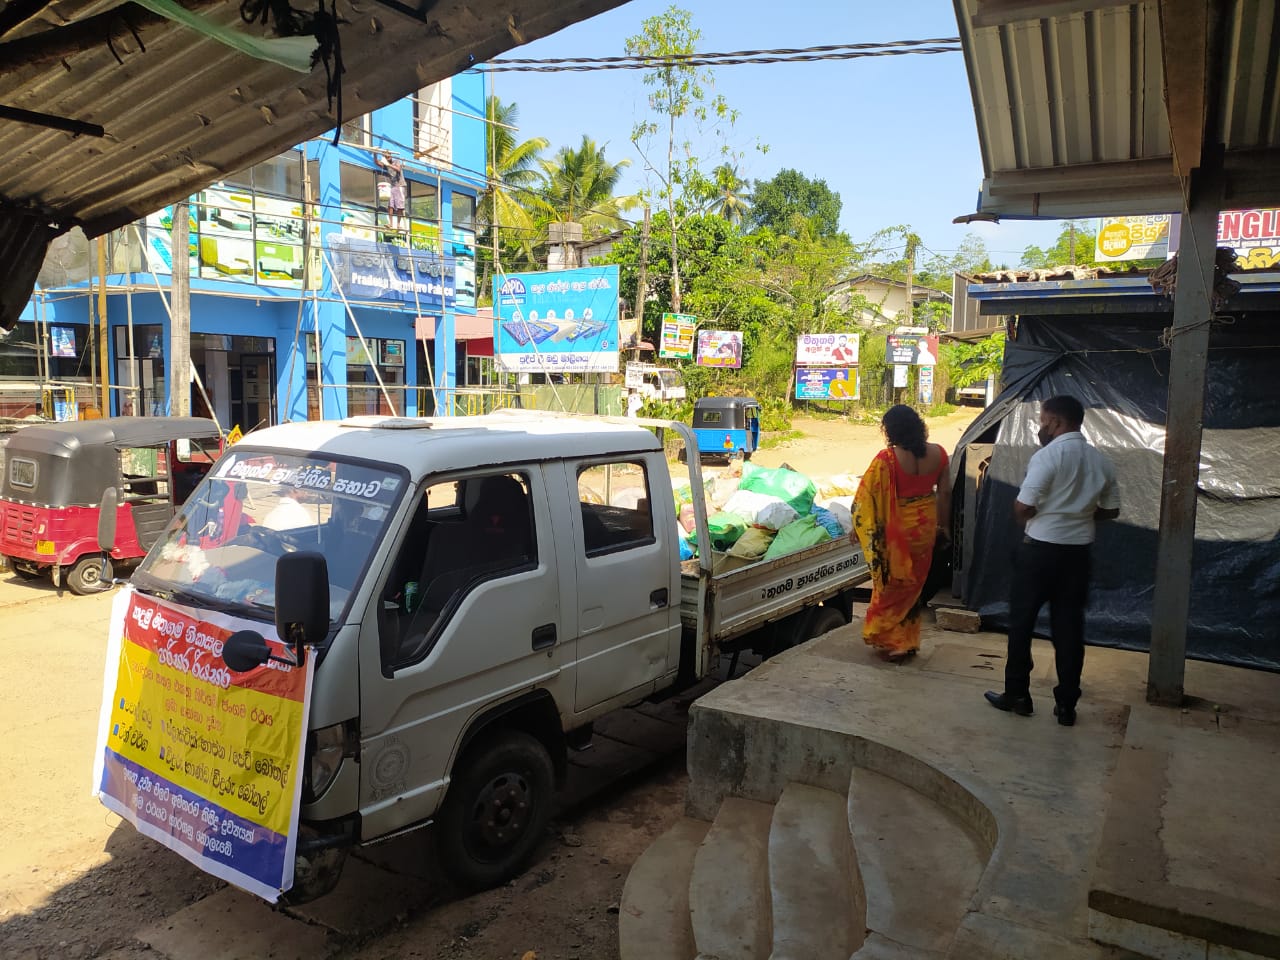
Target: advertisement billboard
pixel 1132 238
pixel 720 348
pixel 827 349
pixel 677 336
pixel 558 321
pixel 826 383
pixel 911 349
pixel 1254 235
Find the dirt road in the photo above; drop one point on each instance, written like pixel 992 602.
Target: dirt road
pixel 77 883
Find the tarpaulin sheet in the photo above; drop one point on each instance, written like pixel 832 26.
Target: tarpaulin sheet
pixel 1119 370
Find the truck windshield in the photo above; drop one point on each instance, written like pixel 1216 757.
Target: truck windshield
pixel 254 508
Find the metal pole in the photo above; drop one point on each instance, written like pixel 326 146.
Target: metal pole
pixel 103 348
pixel 1184 425
pixel 134 379
pixel 180 315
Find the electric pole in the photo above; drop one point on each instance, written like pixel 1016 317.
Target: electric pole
pixel 642 291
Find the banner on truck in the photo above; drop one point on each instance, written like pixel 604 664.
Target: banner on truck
pixel 827 349
pixel 203 760
pixel 720 348
pixel 557 321
pixel 827 383
pixel 677 336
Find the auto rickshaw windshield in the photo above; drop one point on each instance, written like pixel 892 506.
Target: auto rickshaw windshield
pixel 254 508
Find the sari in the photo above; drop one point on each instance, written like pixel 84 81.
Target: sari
pixel 897 538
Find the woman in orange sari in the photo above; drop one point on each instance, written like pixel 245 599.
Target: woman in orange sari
pixel 902 510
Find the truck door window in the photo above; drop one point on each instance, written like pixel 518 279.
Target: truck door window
pixel 614 499
pixel 464 532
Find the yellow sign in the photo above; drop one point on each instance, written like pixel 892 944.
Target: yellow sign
pixel 1133 238
pixel 235 435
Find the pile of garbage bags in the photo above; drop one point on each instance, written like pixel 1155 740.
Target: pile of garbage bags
pixel 762 513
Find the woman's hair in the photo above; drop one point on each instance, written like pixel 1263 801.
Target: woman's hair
pixel 904 428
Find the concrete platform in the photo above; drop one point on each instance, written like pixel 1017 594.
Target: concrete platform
pixel 1137 815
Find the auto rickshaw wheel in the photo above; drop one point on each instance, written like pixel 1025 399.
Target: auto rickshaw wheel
pixel 23 572
pixel 88 575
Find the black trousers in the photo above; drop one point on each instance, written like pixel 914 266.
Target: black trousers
pixel 1057 574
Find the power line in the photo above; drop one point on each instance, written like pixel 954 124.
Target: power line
pixel 836 51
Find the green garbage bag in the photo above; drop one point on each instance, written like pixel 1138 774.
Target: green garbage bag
pixel 796 536
pixel 795 489
pixel 725 529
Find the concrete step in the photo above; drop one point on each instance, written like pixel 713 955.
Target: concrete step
pixel 819 909
pixel 653 918
pixel 729 890
pixel 920 864
pixel 882 948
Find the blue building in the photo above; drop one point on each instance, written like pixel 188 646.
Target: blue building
pixel 306 300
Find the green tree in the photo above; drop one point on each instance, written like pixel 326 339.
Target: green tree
pixel 784 203
pixel 578 186
pixel 512 171
pixel 680 95
pixel 732 199
pixel 1075 246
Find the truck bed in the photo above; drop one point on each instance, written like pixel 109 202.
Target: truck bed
pixel 738 601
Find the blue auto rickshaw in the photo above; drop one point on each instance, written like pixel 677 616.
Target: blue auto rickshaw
pixel 726 427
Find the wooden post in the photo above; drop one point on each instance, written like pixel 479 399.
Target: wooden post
pixel 1184 425
pixel 180 322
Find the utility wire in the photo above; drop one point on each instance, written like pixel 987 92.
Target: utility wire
pixel 797 55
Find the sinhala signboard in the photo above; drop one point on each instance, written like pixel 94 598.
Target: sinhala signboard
pixel 827 383
pixel 382 272
pixel 561 321
pixel 1133 238
pixel 676 342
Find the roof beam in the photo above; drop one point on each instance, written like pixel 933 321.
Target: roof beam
pixel 998 13
pixel 1184 35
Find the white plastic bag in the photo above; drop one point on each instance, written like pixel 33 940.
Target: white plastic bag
pixel 763 510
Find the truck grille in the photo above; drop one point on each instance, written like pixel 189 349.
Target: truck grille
pixel 19 525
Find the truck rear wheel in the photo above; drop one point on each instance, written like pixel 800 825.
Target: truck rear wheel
pixel 23 572
pixel 496 809
pixel 88 576
pixel 825 620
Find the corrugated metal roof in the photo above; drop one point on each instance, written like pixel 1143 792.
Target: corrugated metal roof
pixel 187 110
pixel 1071 107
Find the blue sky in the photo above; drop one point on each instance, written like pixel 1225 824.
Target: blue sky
pixel 895 136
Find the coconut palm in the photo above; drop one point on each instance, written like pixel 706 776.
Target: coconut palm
pixel 512 171
pixel 731 200
pixel 577 187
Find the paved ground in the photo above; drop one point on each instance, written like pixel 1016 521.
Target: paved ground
pixel 1149 815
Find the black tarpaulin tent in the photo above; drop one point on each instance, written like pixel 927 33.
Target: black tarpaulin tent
pixel 1117 365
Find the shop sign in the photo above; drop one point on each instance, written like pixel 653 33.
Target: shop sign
pixel 1132 238
pixel 383 272
pixel 557 321
pixel 677 336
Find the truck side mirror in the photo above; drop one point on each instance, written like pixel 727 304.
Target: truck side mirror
pixel 107 510
pixel 302 599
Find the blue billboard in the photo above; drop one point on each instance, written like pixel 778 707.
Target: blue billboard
pixel 827 383
pixel 560 321
pixel 395 275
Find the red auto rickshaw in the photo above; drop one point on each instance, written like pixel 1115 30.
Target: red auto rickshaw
pixel 52 484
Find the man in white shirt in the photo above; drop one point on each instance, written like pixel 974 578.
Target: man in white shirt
pixel 1069 486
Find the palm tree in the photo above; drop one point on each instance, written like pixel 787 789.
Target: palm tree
pixel 512 170
pixel 731 201
pixel 578 186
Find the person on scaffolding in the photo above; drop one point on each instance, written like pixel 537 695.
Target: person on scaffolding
pixel 391 189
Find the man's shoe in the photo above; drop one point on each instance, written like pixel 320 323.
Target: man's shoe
pixel 1002 701
pixel 1066 716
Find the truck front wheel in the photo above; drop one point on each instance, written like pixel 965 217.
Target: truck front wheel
pixel 496 809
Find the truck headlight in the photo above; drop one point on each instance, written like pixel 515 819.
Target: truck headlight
pixel 328 747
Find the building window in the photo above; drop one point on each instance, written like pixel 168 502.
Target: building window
pixel 357 131
pixel 464 211
pixel 359 186
pixel 433 122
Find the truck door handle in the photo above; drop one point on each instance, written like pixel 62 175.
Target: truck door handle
pixel 658 598
pixel 544 636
